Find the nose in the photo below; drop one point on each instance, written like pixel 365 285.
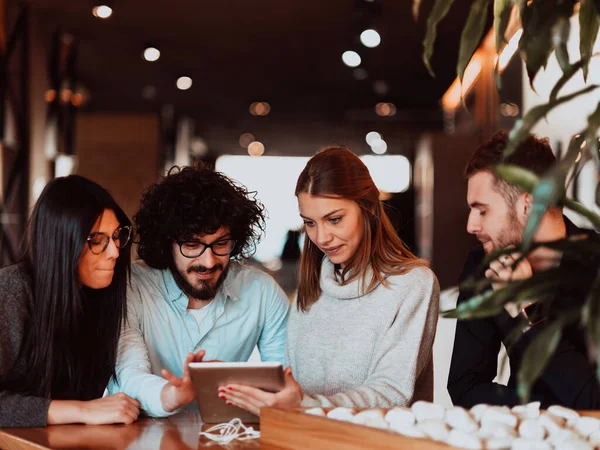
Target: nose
pixel 112 251
pixel 208 258
pixel 473 223
pixel 323 236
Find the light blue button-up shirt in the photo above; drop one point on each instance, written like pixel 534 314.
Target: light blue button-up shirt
pixel 250 309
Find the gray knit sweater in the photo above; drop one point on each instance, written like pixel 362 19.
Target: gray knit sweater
pixel 16 410
pixel 366 351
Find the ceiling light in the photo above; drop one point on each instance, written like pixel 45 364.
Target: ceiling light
pixel 370 38
pixel 351 58
pixel 385 109
pixel 360 74
pixel 379 147
pixel 260 108
pixel 102 11
pixel 151 54
pixel 256 148
pixel 372 137
pixel 184 83
pixel 246 139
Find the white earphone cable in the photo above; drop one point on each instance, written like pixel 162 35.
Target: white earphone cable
pixel 224 433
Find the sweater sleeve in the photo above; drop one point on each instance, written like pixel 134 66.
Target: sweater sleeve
pixel 16 410
pixel 404 353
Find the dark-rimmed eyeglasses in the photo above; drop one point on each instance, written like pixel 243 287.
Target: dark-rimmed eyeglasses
pixel 98 241
pixel 193 249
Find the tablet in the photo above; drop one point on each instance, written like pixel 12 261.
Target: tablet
pixel 207 377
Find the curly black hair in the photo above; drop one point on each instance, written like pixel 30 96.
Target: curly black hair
pixel 191 201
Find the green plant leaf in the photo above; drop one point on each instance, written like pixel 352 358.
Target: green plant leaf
pixel 591 318
pixel 439 11
pixel 502 9
pixel 591 134
pixel 538 19
pixel 415 9
pixel 567 75
pixel 471 35
pixel 527 180
pixel 517 175
pixel 588 31
pixel 549 191
pixel 536 358
pixel 540 286
pixel 523 126
pixel 560 36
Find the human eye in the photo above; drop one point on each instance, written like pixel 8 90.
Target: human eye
pixel 221 244
pixel 482 212
pixel 335 220
pixel 97 238
pixel 193 245
pixel 309 223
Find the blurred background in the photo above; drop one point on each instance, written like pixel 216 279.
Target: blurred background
pixel 120 91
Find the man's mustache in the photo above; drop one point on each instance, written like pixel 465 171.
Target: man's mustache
pixel 204 269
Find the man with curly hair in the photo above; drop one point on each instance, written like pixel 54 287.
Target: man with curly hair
pixel 190 298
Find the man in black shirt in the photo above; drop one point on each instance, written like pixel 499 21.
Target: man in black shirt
pixel 499 212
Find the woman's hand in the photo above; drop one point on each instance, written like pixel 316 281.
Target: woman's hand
pixel 252 399
pixel 117 408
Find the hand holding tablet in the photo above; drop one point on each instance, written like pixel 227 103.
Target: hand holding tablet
pixel 209 378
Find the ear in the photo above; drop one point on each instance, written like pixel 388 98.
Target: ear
pixel 523 205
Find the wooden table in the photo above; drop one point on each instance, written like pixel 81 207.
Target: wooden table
pixel 173 433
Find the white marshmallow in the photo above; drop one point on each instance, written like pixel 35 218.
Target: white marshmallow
pixel 551 423
pixel 341 413
pixel 561 436
pixel 372 418
pixel 478 410
pixel 461 439
pixel 425 410
pixel 575 444
pixel 594 438
pixel 407 429
pixel 530 444
pixel 586 426
pixel 565 413
pixel 496 443
pixel 528 411
pixel 531 429
pixel 435 429
pixel 400 415
pixel 315 412
pixel 458 418
pixel 496 414
pixel 496 429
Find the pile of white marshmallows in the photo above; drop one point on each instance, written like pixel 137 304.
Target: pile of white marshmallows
pixel 523 427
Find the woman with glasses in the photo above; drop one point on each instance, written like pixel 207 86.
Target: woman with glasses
pixel 62 307
pixel 361 330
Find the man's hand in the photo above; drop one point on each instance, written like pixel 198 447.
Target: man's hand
pixel 501 270
pixel 179 392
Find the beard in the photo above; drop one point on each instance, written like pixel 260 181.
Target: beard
pixel 511 233
pixel 202 289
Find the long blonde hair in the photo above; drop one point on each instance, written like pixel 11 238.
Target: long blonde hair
pixel 337 172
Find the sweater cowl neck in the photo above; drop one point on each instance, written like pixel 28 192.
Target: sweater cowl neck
pixel 331 287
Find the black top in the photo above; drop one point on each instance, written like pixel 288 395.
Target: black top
pixel 16 409
pixel 568 380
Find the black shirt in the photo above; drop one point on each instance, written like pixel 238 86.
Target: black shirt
pixel 568 380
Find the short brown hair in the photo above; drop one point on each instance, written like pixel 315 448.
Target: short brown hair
pixel 533 154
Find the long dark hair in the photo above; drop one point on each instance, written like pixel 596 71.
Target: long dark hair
pixel 71 343
pixel 337 172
